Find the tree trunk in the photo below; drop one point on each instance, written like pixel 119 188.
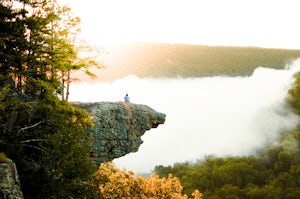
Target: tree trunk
pixel 63 85
pixel 68 85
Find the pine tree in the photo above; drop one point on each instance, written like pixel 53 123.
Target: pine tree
pixel 39 130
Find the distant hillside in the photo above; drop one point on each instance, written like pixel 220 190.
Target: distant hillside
pixel 173 60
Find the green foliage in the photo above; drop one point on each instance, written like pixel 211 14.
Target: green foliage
pixel 47 140
pixel 37 42
pixel 245 177
pixel 43 134
pixel 3 158
pixel 294 95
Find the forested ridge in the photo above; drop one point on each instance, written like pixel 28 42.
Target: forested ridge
pixel 183 60
pixel 273 172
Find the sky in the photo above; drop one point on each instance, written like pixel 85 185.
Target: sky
pixel 264 23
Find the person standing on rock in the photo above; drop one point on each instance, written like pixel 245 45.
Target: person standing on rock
pixel 127 99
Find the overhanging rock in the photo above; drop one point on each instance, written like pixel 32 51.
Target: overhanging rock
pixel 119 127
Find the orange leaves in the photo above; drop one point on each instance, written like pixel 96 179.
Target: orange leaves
pixel 115 183
pixel 156 187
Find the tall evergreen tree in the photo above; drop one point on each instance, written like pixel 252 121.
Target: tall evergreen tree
pixel 39 130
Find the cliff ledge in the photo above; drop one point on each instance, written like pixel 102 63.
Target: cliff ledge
pixel 119 127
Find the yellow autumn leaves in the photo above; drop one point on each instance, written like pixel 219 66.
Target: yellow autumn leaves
pixel 117 183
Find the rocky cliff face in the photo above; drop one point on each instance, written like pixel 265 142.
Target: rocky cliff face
pixel 9 181
pixel 119 127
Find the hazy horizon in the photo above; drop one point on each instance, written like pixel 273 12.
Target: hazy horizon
pixel 264 23
pixel 213 115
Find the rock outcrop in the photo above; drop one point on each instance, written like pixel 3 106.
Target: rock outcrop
pixel 9 181
pixel 119 127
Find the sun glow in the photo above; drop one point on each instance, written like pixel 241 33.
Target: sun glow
pixel 232 22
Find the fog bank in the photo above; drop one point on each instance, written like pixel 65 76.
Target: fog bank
pixel 213 115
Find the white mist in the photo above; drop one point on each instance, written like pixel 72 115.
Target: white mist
pixel 213 115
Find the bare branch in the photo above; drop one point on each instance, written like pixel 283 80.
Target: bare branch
pixel 29 127
pixel 35 147
pixel 34 140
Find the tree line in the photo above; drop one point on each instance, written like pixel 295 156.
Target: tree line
pixel 183 60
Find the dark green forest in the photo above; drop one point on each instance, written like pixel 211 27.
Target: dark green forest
pixel 39 130
pixel 182 60
pixel 271 173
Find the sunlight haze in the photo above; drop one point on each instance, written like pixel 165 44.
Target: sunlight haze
pixel 250 109
pixel 264 23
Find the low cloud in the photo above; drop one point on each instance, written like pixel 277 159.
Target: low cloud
pixel 212 115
